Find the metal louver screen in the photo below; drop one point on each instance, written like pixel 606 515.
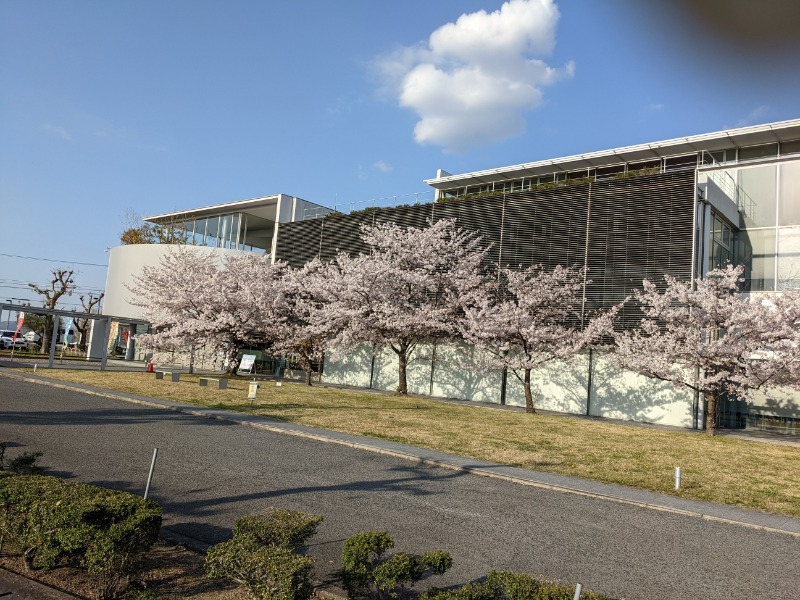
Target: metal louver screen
pixel 636 228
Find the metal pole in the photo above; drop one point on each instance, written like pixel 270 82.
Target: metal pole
pixel 577 595
pixel 677 478
pixel 150 475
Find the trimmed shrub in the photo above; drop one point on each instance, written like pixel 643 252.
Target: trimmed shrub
pixel 269 571
pixel 368 572
pixel 507 585
pixel 261 555
pixel 277 527
pixel 51 520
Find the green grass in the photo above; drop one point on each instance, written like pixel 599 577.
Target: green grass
pixel 716 469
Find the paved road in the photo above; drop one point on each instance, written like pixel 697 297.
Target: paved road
pixel 211 471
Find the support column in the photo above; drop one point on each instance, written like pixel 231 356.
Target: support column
pixel 104 354
pixel 53 341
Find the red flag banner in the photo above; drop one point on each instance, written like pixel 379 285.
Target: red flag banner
pixel 20 321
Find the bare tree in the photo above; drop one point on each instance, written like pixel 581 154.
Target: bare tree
pixel 89 303
pixel 62 284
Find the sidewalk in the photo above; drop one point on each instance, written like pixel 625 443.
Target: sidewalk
pixel 17 587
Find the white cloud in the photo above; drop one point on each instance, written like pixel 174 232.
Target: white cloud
pixel 756 116
pixel 382 166
pixel 57 130
pixel 475 79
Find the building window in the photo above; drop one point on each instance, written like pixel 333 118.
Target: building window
pixel 758 187
pixel 762 151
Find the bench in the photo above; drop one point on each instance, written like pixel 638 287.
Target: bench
pixel 222 383
pixel 174 376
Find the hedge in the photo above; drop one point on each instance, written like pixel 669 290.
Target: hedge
pixel 51 521
pixel 507 585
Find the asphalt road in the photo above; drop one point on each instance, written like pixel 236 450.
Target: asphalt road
pixel 209 472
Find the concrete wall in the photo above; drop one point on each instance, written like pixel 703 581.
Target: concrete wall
pixel 558 386
pixel 778 402
pixel 125 262
pixel 620 394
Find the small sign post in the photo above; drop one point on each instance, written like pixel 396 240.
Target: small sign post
pixel 252 389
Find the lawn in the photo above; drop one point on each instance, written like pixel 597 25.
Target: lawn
pixel 716 469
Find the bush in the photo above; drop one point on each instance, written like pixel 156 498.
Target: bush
pixel 367 572
pixel 506 585
pixel 50 520
pixel 261 555
pixel 286 528
pixel 265 571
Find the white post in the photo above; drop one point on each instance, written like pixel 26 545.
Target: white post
pixel 677 478
pixel 577 595
pixel 150 475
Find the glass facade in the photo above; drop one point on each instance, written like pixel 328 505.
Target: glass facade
pixel 234 231
pixel 768 196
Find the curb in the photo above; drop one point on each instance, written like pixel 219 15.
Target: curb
pixel 483 471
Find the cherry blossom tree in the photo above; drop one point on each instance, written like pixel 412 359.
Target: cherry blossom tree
pixel 304 329
pixel 191 300
pixel 174 296
pixel 406 291
pixel 712 339
pixel 247 306
pixel 528 318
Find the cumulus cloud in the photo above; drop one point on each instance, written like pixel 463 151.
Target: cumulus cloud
pixel 474 80
pixel 382 166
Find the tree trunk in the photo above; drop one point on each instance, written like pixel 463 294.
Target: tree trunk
pixel 48 328
pixel 308 374
pixel 712 414
pixel 402 385
pixel 529 408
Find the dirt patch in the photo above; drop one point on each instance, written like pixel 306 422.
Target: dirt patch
pixel 167 571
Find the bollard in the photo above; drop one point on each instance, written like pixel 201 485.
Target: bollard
pixel 677 478
pixel 34 367
pixel 150 475
pixel 577 595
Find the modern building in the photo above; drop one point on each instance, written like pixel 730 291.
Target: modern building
pixel 223 229
pixel 678 207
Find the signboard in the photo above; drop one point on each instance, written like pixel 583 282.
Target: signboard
pixel 252 389
pixel 248 361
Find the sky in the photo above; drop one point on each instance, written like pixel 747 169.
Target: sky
pixel 153 106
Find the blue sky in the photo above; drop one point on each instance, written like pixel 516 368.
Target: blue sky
pixel 157 106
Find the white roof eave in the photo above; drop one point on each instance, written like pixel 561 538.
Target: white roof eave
pixel 752 135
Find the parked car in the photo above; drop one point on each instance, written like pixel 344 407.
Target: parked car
pixel 7 340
